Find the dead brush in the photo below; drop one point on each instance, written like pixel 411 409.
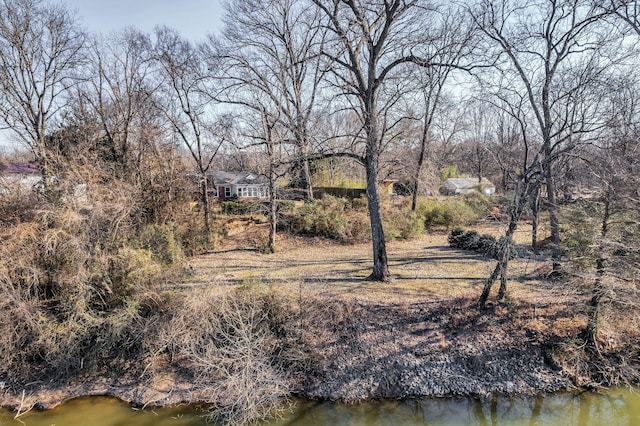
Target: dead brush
pixel 226 340
pixel 65 309
pixel 16 204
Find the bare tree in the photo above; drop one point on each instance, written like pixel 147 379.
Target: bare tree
pixel 450 43
pixel 479 134
pixel 277 43
pixel 120 91
pixel 626 10
pixel 547 49
pixel 370 45
pixel 271 70
pixel 185 102
pixel 40 49
pixel 530 175
pixel 614 166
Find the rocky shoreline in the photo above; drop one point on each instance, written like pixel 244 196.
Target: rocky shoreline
pixel 374 352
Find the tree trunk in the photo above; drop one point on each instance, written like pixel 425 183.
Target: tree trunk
pixel 48 183
pixel 204 196
pixel 522 195
pixel 502 266
pixel 305 174
pixel 535 211
pixel 380 261
pixel 416 177
pixel 591 331
pixel 554 221
pixel 273 203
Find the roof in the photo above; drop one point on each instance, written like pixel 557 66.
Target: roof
pixel 236 178
pixel 22 168
pixel 465 183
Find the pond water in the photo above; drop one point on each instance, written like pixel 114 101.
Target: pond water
pixel 616 407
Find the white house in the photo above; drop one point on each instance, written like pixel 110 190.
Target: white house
pixel 455 186
pixel 242 185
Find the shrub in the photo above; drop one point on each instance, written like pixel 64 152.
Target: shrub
pixel 191 235
pixel 447 213
pixel 286 206
pixel 239 208
pixel 161 241
pixel 479 203
pixel 75 287
pixel 331 217
pixel 228 342
pixel 400 222
pixel 485 244
pixel 469 240
pixel 401 225
pixel 454 236
pixel 16 205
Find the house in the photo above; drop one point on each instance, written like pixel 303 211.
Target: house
pixel 20 176
pixel 455 186
pixel 241 185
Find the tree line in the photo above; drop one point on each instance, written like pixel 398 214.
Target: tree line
pixel 540 94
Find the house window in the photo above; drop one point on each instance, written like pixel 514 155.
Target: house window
pixel 227 191
pixel 253 192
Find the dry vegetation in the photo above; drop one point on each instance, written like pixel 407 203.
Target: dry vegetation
pixel 95 302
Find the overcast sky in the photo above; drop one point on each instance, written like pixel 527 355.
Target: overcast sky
pixel 193 19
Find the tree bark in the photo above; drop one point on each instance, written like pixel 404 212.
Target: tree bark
pixel 535 211
pixel 273 207
pixel 380 261
pixel 591 331
pixel 421 157
pixel 305 172
pixel 554 221
pixel 204 196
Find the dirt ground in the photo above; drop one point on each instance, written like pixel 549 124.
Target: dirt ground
pixel 420 334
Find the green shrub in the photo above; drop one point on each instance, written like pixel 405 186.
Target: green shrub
pixel 469 240
pixel 286 206
pixel 447 213
pixel 485 244
pixel 449 172
pixel 161 241
pixel 400 223
pixel 580 233
pixel 235 208
pixel 454 236
pixel 331 217
pixel 479 203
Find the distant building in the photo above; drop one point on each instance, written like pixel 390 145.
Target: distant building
pixel 20 176
pixel 241 185
pixel 455 186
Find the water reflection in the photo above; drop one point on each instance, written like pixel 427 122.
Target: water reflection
pixel 617 407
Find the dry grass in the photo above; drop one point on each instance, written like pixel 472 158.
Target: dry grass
pixel 423 268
